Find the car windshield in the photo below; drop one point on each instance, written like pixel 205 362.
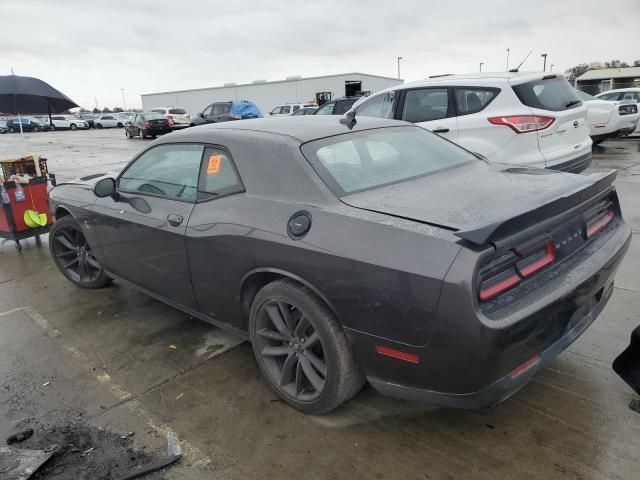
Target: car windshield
pixel 553 94
pixel 153 116
pixel 370 159
pixel 584 95
pixel 177 111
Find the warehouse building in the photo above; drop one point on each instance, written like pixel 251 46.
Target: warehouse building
pixel 268 95
pixel 596 81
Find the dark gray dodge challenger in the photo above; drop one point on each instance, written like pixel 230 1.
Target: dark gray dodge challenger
pixel 350 251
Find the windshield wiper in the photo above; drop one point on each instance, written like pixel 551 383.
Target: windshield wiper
pixel 572 103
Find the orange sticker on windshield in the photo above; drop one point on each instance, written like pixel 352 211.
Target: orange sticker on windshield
pixel 214 164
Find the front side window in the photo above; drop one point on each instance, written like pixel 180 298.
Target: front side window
pixel 169 171
pixel 207 111
pixel 343 106
pixel 326 109
pixel 473 100
pixel 425 104
pixel 380 106
pixel 219 176
pixel 276 111
pixel 370 159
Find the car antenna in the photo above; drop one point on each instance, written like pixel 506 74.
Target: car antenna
pixel 349 119
pixel 515 70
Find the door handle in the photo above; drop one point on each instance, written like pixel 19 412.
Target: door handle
pixel 440 130
pixel 174 220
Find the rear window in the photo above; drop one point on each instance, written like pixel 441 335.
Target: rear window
pixel 553 94
pixel 177 111
pixel 153 116
pixel 584 96
pixel 370 159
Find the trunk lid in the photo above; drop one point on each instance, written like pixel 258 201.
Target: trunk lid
pixel 482 202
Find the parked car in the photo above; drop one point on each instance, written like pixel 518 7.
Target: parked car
pixel 149 124
pixel 87 117
pixel 3 126
pixel 519 119
pixel 178 117
pixel 349 250
pixel 305 111
pixel 28 125
pixel 619 94
pixel 608 119
pixel 111 120
pixel 339 106
pixel 290 108
pixel 62 122
pixel 226 111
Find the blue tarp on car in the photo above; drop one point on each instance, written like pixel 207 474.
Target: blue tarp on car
pixel 246 110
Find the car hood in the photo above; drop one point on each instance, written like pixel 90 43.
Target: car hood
pixel 471 195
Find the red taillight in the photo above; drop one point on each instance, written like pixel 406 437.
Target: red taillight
pixel 525 366
pixel 598 224
pixel 498 284
pixel 390 352
pixel 146 125
pixel 171 122
pixel 533 263
pixel 523 123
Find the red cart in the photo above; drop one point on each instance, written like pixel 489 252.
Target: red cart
pixel 12 222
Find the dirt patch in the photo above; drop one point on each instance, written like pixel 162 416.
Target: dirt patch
pixel 84 452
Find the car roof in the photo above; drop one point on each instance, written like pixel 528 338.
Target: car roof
pixel 619 90
pixel 301 128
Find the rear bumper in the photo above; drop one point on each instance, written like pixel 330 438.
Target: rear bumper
pixel 575 165
pixel 504 387
pixel 473 360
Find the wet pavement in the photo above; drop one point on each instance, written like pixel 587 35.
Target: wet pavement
pixel 115 359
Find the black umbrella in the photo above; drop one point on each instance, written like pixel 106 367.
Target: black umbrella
pixel 31 95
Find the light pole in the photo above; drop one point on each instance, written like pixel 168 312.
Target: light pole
pixel 544 64
pixel 399 58
pixel 507 59
pixel 551 69
pixel 124 102
pixel 481 63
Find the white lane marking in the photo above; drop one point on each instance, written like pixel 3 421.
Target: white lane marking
pixel 194 455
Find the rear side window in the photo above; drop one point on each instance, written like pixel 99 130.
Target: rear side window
pixel 286 109
pixel 473 100
pixel 373 158
pixel 610 96
pixel 425 104
pixel 326 109
pixel 177 111
pixel 380 106
pixel 553 94
pixel 218 176
pixel 343 106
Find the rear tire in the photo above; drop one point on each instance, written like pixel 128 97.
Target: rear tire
pixel 36 129
pixel 301 349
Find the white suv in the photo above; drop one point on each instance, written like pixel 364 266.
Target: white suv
pixel 289 108
pixel 61 122
pixel 521 119
pixel 178 117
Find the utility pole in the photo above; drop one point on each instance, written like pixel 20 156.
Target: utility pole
pixel 95 99
pixel 544 64
pixel 481 63
pixel 507 59
pixel 124 102
pixel 399 58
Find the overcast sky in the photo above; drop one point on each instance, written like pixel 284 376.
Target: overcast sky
pixel 92 49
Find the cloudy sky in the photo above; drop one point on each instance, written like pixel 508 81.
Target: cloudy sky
pixel 92 49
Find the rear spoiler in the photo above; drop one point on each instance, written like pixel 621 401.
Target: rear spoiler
pixel 556 203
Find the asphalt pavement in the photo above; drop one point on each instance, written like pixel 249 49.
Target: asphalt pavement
pixel 117 361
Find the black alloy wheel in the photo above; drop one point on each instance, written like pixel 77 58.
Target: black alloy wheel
pixel 301 349
pixel 73 256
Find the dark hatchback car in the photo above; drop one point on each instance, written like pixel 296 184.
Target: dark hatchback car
pixel 336 107
pixel 145 125
pixel 28 125
pixel 344 252
pixel 226 112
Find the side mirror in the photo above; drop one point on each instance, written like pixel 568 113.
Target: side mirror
pixel 201 115
pixel 105 187
pixel 270 113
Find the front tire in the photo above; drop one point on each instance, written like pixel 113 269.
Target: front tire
pixel 301 349
pixel 73 256
pixel 98 125
pixel 73 126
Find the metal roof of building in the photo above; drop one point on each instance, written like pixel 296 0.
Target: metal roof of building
pixel 607 73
